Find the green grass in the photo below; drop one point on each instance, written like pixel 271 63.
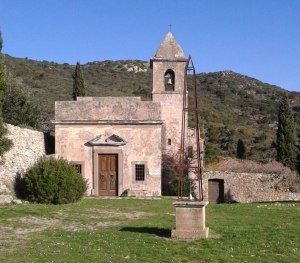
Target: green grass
pixel 128 230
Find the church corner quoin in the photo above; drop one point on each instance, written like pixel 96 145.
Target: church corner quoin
pixel 117 143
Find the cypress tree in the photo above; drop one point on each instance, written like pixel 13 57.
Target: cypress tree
pixel 3 84
pixel 5 144
pixel 286 135
pixel 241 150
pixel 78 83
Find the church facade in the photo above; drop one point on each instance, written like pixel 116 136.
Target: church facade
pixel 117 143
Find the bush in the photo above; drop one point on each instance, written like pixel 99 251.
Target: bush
pixel 53 181
pixel 189 187
pixel 169 174
pixel 5 143
pixel 170 178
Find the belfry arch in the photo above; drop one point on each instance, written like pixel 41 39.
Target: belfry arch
pixel 169 80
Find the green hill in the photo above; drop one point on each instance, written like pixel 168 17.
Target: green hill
pixel 231 106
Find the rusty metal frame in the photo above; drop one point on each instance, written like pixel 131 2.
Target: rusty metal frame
pixel 184 165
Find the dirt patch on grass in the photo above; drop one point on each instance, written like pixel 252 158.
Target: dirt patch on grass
pixel 32 224
pixel 77 226
pixel 35 224
pixel 17 230
pixel 106 218
pixel 115 214
pixel 9 241
pixel 214 236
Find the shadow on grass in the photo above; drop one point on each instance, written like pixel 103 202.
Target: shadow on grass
pixel 160 232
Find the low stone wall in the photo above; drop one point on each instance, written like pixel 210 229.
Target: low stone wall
pixel 28 146
pixel 251 187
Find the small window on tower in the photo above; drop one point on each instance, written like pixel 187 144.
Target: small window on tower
pixel 169 80
pixel 169 142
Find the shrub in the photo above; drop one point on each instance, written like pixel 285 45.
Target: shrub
pixel 189 187
pixel 169 174
pixel 53 181
pixel 5 143
pixel 170 178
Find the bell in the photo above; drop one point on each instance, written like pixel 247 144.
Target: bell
pixel 170 81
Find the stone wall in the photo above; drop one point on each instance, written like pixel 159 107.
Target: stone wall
pixel 251 187
pixel 107 108
pixel 28 146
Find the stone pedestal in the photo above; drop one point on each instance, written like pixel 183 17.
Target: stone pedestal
pixel 190 220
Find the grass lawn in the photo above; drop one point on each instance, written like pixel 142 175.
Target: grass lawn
pixel 128 230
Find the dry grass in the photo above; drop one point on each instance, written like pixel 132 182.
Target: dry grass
pixel 247 166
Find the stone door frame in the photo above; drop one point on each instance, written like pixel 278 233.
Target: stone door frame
pixel 109 151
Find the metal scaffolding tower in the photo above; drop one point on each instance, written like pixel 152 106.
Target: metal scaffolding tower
pixel 190 158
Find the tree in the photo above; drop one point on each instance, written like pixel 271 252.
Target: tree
pixel 286 135
pixel 3 84
pixel 1 41
pixel 241 150
pixel 78 83
pixel 5 143
pixel 18 110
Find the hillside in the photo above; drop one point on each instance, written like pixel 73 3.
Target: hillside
pixel 231 105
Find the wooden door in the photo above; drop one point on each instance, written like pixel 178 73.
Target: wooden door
pixel 107 175
pixel 215 191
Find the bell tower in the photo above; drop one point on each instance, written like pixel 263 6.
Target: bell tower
pixel 168 83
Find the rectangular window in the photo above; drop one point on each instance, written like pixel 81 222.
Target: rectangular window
pixel 78 168
pixel 140 172
pixel 169 141
pixel 190 152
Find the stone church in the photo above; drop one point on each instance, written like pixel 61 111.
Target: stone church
pixel 117 142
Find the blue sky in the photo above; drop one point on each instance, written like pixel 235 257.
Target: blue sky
pixel 257 38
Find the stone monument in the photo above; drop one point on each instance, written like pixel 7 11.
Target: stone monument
pixel 190 220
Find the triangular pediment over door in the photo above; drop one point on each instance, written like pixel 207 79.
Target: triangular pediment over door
pixel 102 140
